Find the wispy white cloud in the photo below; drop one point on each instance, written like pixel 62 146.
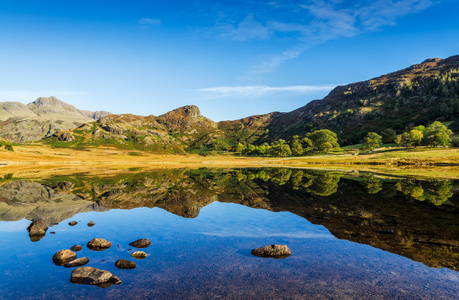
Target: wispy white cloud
pixel 29 96
pixel 247 29
pixel 308 23
pixel 270 63
pixel 147 22
pixel 261 90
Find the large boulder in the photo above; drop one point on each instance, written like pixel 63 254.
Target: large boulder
pixel 125 264
pixel 93 276
pixel 63 256
pixel 98 244
pixel 77 262
pixel 275 251
pixel 141 243
pixel 37 230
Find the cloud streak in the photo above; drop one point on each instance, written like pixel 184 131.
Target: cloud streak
pixel 308 23
pixel 148 22
pixel 261 90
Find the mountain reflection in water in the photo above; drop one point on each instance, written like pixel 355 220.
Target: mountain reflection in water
pixel 417 219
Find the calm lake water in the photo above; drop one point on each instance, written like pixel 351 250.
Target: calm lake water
pixel 351 235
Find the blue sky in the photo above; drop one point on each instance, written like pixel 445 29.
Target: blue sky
pixel 230 58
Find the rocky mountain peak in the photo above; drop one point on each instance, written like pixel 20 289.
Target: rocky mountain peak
pixel 50 102
pixel 191 111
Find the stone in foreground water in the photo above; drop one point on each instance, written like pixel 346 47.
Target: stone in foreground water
pixel 275 251
pixel 93 276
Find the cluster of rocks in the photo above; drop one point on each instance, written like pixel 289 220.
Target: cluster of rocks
pixel 90 223
pixel 91 275
pixel 37 229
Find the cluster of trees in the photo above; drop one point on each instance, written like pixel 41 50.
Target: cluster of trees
pixel 319 141
pixel 436 134
pixel 434 191
pixel 322 183
pixel 319 183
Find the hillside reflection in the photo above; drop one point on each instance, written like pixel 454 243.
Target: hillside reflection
pixel 418 219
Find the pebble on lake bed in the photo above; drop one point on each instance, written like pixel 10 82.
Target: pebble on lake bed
pixel 76 248
pixel 91 223
pixel 63 256
pixel 139 254
pixel 275 251
pixel 73 223
pixel 141 243
pixel 125 264
pixel 98 244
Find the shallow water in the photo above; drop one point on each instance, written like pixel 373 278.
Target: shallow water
pixel 350 236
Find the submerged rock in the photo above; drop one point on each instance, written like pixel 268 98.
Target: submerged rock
pixel 37 230
pixel 125 264
pixel 139 254
pixel 275 251
pixel 73 223
pixel 98 244
pixel 63 256
pixel 76 248
pixel 91 223
pixel 141 243
pixel 77 262
pixel 93 276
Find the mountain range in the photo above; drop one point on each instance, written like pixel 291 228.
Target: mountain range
pixel 41 118
pixel 417 95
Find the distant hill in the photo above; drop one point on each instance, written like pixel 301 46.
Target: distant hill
pixel 41 118
pixel 172 132
pixel 417 95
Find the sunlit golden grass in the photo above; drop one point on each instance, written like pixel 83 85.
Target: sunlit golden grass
pixel 424 162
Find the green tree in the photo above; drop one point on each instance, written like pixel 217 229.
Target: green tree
pixel 388 135
pixel 323 140
pixel 372 184
pixel 307 145
pixel 371 141
pixel 416 137
pixel 438 134
pixel 403 140
pixel 324 184
pixel 295 146
pixel 251 149
pixel 437 192
pixel 280 148
pixel 261 150
pixel 240 148
pixel 421 128
pixel 409 139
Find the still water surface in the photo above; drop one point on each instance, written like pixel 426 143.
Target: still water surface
pixel 351 236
